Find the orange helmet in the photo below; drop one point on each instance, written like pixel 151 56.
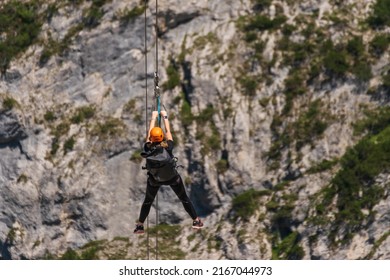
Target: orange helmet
pixel 156 134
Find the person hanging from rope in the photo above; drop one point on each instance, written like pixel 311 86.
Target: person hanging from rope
pixel 161 166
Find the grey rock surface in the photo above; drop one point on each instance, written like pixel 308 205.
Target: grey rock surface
pixel 53 198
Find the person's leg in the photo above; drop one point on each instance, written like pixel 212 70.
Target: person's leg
pixel 178 187
pixel 151 192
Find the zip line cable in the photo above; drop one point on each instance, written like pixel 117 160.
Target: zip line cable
pixel 157 93
pixel 146 106
pixel 156 77
pixel 157 107
pixel 156 30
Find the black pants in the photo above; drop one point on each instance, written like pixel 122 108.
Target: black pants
pixel 177 186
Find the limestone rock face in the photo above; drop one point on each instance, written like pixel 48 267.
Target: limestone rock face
pixel 70 170
pixel 11 129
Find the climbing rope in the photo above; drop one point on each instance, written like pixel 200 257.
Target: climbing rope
pixel 156 77
pixel 146 105
pixel 157 96
pixel 157 107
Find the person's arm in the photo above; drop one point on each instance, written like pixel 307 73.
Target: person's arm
pixel 168 134
pixel 152 124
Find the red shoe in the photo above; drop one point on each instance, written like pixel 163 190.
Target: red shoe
pixel 139 229
pixel 197 224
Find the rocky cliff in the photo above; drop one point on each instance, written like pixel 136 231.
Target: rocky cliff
pixel 279 111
